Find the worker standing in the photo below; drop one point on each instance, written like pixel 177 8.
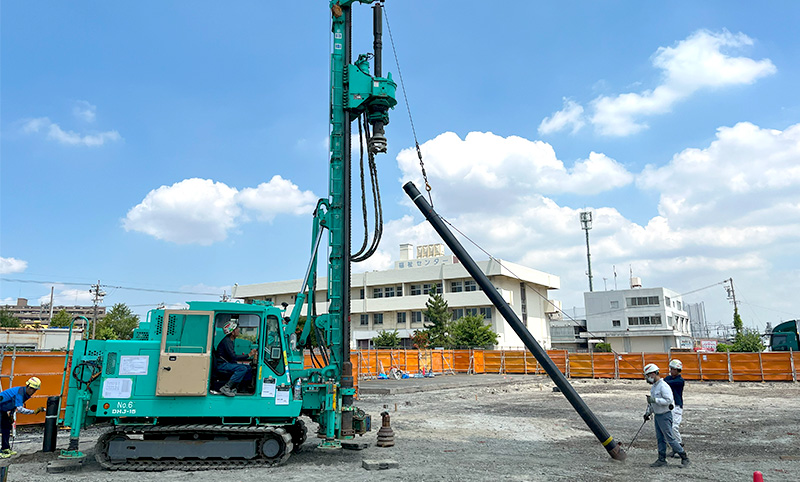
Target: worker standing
pixel 12 400
pixel 676 383
pixel 660 403
pixel 226 360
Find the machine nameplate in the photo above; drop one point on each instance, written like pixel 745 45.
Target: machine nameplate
pixel 117 388
pixel 133 365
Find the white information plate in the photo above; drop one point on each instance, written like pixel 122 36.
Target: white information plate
pixel 282 396
pixel 133 365
pixel 117 388
pixel 268 389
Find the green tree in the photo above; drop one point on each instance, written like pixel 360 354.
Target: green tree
pixel 387 339
pixel 118 324
pixel 470 331
pixel 61 319
pixel 603 348
pixel 438 324
pixel 737 320
pixel 419 339
pixel 748 340
pixel 7 320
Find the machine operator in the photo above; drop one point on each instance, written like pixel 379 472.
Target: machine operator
pixel 226 360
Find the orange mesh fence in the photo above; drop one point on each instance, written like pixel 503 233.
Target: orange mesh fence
pixel 714 366
pixel 47 366
pixel 515 362
pixel 580 365
pixel 745 367
pixel 604 366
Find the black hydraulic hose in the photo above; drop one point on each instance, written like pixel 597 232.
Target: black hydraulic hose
pixel 613 448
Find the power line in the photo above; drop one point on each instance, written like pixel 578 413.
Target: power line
pixel 130 288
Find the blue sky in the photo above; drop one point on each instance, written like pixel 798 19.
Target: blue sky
pixel 178 146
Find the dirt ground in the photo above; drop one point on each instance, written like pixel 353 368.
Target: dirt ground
pixel 515 428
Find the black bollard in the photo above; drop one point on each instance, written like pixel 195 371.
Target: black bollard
pixel 50 425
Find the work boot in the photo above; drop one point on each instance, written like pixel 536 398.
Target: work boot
pixel 661 462
pixel 684 459
pixel 227 390
pixel 9 452
pixel 674 454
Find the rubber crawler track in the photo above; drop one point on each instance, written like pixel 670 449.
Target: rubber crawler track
pixel 148 465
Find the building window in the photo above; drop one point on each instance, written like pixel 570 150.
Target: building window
pixel 470 285
pixel 523 300
pixel 667 301
pixel 416 317
pixel 456 287
pixel 458 313
pixel 615 323
pixel 388 292
pixel 615 305
pixel 486 313
pixel 644 320
pixel 377 319
pixel 399 291
pixel 643 301
pixel 361 294
pixel 472 311
pixel 364 320
pixel 401 317
pixel 416 290
pixel 430 288
pixel 377 292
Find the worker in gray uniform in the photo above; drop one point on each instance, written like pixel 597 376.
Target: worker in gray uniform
pixel 660 403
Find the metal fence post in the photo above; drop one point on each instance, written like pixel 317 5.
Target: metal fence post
pixel 761 366
pixel 591 353
pixel 791 360
pixel 700 365
pixel 730 370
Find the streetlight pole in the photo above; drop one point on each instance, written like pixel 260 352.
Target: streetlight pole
pixel 586 225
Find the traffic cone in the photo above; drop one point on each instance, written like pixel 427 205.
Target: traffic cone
pixel 758 476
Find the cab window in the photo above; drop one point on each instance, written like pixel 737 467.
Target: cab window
pixel 273 351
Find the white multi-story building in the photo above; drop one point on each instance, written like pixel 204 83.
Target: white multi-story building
pixel 638 319
pixel 394 299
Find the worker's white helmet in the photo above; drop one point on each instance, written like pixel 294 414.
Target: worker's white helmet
pixel 650 368
pixel 676 364
pixel 229 327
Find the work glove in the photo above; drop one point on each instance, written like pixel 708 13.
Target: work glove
pixel 650 399
pixel 646 417
pixel 38 410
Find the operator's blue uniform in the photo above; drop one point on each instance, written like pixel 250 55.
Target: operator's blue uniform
pixel 225 362
pixel 11 400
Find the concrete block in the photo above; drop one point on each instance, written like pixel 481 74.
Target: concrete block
pixel 370 464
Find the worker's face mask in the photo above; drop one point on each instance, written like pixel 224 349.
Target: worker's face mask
pixel 650 379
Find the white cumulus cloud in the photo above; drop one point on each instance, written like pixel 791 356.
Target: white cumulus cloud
pixel 56 133
pixel 12 265
pixel 498 169
pixel 68 297
pixel 703 60
pixel 201 211
pixel 278 196
pixel 84 111
pixel 571 115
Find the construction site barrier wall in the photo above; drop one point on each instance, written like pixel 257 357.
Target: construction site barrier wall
pixel 732 367
pixel 17 367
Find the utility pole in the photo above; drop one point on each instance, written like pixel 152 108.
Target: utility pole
pixel 586 225
pixel 98 296
pixel 731 291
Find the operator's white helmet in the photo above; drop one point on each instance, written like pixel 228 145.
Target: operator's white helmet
pixel 229 327
pixel 676 364
pixel 650 368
